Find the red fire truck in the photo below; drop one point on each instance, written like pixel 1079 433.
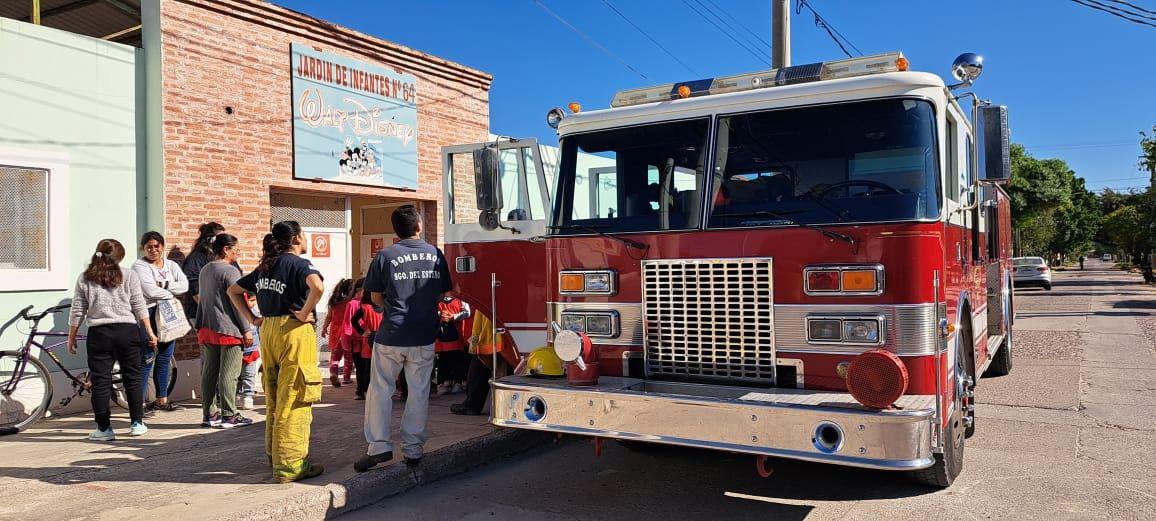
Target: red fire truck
pixel 810 262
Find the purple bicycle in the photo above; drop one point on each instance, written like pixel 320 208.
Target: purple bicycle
pixel 25 382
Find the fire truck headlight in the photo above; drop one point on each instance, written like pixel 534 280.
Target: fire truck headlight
pixel 861 331
pixel 574 322
pixel 598 282
pixel 601 324
pixel 824 330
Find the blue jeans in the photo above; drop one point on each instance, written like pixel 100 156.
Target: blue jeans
pixel 248 380
pixel 162 360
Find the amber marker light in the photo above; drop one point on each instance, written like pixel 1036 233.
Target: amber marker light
pixel 859 280
pixel 572 282
pixel 902 64
pixel 574 107
pixel 683 91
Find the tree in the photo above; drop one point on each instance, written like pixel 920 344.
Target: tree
pixel 1126 228
pixel 1076 225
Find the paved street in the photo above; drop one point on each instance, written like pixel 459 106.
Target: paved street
pixel 1071 434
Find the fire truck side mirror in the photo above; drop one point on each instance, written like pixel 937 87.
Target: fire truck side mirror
pixel 487 185
pixel 996 144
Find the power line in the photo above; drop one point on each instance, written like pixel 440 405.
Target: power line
pixel 1079 146
pixel 648 37
pixel 1101 7
pixel 740 24
pixel 826 26
pixel 1133 6
pixel 757 44
pixel 726 33
pixel 588 39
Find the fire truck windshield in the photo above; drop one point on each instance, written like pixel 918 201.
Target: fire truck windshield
pixel 854 162
pixel 865 161
pixel 643 178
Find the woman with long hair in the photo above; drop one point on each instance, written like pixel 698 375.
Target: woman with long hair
pixel 108 297
pixel 222 333
pixel 200 255
pixel 288 288
pixel 160 279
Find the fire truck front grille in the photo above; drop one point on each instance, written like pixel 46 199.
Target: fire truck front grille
pixel 709 319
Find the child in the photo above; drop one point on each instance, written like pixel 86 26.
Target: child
pixel 454 330
pixel 365 321
pixel 334 327
pixel 349 336
pixel 251 360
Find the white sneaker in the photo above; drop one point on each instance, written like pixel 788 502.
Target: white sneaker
pixel 246 403
pixel 105 435
pixel 443 389
pixel 138 429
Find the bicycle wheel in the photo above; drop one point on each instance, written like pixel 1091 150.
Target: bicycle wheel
pixel 31 395
pixel 119 397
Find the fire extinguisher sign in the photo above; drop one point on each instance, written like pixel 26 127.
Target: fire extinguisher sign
pixel 319 245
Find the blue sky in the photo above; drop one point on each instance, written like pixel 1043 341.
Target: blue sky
pixel 1080 84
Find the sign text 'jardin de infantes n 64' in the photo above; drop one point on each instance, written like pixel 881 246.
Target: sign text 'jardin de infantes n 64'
pixel 353 122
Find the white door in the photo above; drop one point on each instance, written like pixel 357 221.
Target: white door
pixel 329 251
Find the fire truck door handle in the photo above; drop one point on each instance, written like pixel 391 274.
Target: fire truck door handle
pixel 959 252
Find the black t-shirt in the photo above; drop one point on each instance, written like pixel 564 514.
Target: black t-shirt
pixel 283 289
pixel 412 275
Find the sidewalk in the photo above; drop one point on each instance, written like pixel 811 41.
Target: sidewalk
pixel 182 471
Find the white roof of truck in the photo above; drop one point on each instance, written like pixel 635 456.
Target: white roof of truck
pixel 813 93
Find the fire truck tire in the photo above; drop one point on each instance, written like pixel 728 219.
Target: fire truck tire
pixel 1001 365
pixel 949 463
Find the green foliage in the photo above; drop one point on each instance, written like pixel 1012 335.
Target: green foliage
pixel 1053 212
pixel 1126 227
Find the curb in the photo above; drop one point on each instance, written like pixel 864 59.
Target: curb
pixel 360 490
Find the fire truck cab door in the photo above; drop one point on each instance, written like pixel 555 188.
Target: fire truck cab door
pixel 514 251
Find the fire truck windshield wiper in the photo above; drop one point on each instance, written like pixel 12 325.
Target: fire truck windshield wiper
pixel 594 229
pixel 767 213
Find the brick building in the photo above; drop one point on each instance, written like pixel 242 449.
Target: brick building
pixel 235 111
pixel 228 139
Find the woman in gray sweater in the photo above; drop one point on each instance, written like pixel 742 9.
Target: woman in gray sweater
pixel 110 298
pixel 222 333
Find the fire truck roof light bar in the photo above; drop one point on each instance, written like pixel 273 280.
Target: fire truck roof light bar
pixel 851 67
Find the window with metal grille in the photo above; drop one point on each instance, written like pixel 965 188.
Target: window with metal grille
pixel 24 221
pixel 309 211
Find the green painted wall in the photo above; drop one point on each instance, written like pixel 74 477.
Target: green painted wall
pixel 66 93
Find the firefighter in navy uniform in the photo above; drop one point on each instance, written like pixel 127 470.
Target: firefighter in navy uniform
pixel 288 288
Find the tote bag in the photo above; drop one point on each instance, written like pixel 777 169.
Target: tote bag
pixel 171 321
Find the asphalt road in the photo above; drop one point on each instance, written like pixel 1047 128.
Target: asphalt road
pixel 1070 434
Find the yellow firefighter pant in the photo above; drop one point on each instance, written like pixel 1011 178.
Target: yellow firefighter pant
pixel 292 384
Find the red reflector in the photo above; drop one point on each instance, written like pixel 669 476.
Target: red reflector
pixel 823 280
pixel 877 378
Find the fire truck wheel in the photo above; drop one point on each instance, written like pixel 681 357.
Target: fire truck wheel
pixel 949 464
pixel 1001 365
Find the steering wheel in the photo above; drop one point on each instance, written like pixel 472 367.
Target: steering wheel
pixel 877 185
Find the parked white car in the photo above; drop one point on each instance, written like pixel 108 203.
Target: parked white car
pixel 1031 271
pixel 1107 257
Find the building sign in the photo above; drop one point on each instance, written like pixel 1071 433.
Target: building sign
pixel 353 122
pixel 320 245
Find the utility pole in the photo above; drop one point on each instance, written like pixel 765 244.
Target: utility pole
pixel 780 33
pixel 35 15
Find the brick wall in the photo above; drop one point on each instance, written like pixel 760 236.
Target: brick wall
pixel 235 53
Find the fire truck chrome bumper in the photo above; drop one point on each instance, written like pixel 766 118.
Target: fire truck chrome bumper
pixel 818 426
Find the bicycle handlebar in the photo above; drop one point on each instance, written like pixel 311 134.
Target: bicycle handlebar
pixel 42 314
